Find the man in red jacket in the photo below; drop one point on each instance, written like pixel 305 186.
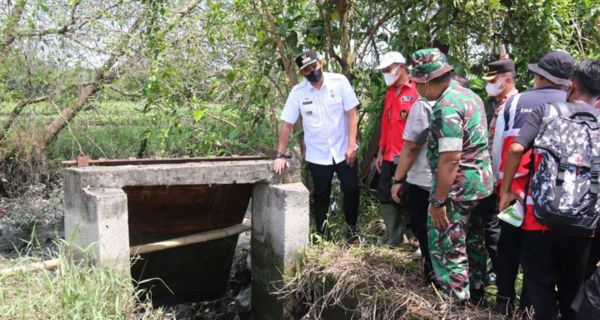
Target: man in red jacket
pixel 398 101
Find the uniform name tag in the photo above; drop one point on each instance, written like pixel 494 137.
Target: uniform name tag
pixel 306 102
pixel 407 98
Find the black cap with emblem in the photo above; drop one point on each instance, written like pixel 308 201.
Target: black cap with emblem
pixel 306 58
pixel 498 67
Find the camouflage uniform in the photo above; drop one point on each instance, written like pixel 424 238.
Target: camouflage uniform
pixel 458 124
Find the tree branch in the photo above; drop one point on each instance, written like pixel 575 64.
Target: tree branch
pixel 288 63
pixel 16 111
pixel 364 42
pixel 8 36
pixel 103 75
pixel 328 33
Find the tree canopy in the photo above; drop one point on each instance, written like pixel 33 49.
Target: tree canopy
pixel 230 62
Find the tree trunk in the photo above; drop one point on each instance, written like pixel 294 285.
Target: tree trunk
pixel 103 76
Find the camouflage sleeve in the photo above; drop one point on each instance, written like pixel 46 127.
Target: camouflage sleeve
pixel 447 126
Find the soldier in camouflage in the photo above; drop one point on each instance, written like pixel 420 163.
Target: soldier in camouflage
pixel 462 176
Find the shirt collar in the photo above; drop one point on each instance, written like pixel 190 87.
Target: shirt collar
pixel 324 85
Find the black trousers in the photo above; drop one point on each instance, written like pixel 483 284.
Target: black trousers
pixel 589 308
pixel 487 209
pixel 594 256
pixel 416 202
pixel 384 185
pixel 508 260
pixel 553 261
pixel 322 176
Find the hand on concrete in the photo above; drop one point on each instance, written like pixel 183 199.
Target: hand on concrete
pixel 397 192
pixel 280 165
pixel 379 161
pixel 439 217
pixel 351 156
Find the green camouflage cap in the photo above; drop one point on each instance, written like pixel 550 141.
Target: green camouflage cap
pixel 428 64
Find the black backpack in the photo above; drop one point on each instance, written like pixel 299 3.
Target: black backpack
pixel 565 186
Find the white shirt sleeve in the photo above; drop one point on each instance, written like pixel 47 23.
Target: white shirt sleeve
pixel 291 110
pixel 417 123
pixel 497 143
pixel 349 99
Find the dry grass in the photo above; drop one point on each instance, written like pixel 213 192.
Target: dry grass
pixel 370 282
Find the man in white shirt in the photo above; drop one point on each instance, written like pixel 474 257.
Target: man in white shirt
pixel 327 104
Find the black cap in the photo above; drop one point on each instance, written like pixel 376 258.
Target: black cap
pixel 306 58
pixel 498 67
pixel 555 66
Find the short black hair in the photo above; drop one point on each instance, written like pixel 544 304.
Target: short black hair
pixel 443 78
pixel 587 75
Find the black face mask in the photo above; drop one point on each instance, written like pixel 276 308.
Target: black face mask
pixel 315 76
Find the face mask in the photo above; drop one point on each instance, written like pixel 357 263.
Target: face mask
pixel 390 78
pixel 315 76
pixel 493 89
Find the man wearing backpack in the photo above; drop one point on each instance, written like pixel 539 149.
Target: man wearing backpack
pixel 556 257
pixel 551 74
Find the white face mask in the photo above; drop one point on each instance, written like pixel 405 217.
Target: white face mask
pixel 390 77
pixel 493 89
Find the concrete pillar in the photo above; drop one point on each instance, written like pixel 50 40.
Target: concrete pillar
pixel 96 222
pixel 280 230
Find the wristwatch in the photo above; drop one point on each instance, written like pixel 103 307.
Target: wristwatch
pixel 399 181
pixel 436 203
pixel 283 155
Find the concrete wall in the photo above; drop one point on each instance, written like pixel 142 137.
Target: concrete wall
pixel 96 215
pixel 280 227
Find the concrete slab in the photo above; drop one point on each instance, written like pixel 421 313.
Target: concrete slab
pixel 226 172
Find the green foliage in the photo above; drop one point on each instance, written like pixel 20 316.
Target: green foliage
pixel 77 290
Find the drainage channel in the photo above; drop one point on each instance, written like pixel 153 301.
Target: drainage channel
pixel 181 220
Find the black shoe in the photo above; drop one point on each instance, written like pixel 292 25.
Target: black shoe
pixel 352 235
pixel 476 296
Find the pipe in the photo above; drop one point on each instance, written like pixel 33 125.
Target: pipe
pixel 146 248
pixel 192 239
pixel 48 265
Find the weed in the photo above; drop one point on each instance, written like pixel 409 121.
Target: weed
pixel 369 282
pixel 76 290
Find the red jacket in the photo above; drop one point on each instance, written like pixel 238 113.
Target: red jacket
pixel 395 112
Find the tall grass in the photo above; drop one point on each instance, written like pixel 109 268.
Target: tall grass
pixel 77 290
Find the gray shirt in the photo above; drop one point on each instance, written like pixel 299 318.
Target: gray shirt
pixel 417 127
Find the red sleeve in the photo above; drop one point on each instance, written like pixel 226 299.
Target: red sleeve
pixel 384 124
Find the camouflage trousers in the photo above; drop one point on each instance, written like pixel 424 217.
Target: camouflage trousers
pixel 457 253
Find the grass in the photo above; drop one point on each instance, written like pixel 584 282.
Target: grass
pixel 115 129
pixel 369 282
pixel 76 290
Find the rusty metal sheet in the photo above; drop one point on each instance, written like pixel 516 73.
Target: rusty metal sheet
pixel 195 272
